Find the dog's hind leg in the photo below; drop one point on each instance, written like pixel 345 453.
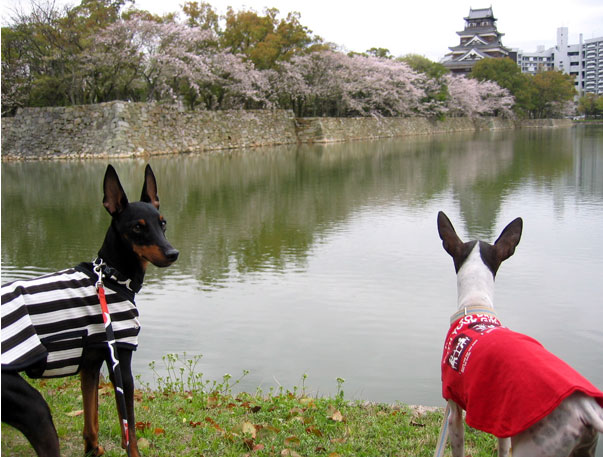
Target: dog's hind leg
pixel 587 446
pixel 89 378
pixel 24 408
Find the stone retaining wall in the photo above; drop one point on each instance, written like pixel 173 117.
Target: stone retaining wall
pixel 325 130
pixel 121 129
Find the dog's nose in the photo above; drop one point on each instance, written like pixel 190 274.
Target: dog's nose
pixel 172 254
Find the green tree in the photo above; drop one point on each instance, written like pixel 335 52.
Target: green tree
pixel 202 15
pixel 507 75
pixel 553 91
pixel 382 53
pixel 423 65
pixel 504 72
pixel 42 53
pixel 591 105
pixel 265 40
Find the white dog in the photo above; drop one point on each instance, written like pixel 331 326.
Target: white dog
pixel 508 384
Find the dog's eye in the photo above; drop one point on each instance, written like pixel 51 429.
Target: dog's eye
pixel 163 225
pixel 137 228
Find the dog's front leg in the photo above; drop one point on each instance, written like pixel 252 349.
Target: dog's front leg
pixel 89 377
pixel 125 363
pixel 504 447
pixel 456 430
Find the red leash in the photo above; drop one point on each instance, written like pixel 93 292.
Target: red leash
pixel 115 368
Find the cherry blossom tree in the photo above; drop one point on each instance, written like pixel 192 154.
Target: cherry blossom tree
pixel 379 86
pixel 336 84
pixel 172 61
pixel 470 97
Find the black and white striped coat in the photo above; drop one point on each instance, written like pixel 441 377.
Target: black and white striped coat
pixel 48 321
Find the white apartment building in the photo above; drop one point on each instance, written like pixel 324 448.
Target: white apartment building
pixel 533 62
pixel 592 73
pixel 584 61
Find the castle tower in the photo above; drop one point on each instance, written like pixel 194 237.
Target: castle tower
pixel 479 40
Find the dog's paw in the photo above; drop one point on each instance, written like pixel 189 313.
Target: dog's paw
pixel 96 452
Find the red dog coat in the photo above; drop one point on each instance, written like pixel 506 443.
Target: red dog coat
pixel 505 381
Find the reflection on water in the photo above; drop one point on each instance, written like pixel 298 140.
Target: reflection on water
pixel 325 259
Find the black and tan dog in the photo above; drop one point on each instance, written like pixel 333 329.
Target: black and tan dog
pixel 52 326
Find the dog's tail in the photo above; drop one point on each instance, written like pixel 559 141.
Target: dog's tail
pixel 593 413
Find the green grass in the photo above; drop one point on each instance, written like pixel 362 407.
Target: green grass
pixel 186 415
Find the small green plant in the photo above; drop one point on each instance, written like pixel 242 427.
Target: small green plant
pixel 182 376
pixel 340 394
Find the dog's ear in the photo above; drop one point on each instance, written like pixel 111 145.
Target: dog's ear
pixel 149 189
pixel 509 239
pixel 450 240
pixel 114 199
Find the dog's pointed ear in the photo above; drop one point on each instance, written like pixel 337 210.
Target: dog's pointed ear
pixel 509 239
pixel 149 189
pixel 114 199
pixel 450 240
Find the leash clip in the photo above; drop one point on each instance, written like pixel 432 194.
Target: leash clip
pixel 98 265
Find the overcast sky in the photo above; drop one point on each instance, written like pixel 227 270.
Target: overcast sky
pixel 410 26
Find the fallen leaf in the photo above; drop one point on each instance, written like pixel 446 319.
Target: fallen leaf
pixel 249 443
pixel 334 454
pixel 75 413
pixel 158 431
pixel 266 430
pixel 314 431
pixel 338 440
pixel 295 412
pixel 337 416
pixel 289 453
pixel 292 441
pixel 308 402
pixel 143 443
pixel 140 426
pixel 258 447
pixel 106 389
pixel 249 429
pixel 213 400
pixel 213 423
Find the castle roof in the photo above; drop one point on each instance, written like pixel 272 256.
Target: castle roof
pixel 482 13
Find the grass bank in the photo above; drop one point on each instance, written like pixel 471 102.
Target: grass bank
pixel 188 416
